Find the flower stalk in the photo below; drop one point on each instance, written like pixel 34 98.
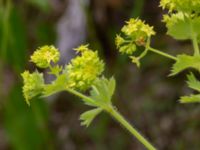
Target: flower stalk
pixel 119 118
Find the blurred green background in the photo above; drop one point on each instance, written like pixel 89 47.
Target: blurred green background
pixel 145 96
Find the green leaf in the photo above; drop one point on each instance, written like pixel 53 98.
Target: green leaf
pixel 185 61
pixel 103 89
pixel 190 99
pixel 193 83
pixel 13 39
pixel 87 117
pixel 112 86
pixel 56 86
pixel 178 26
pixel 181 26
pixel 26 127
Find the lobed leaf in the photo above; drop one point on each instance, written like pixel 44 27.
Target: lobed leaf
pixel 103 89
pixel 181 26
pixel 178 26
pixel 193 83
pixel 185 61
pixel 190 99
pixel 56 86
pixel 88 116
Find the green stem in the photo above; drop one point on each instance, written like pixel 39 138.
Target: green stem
pixel 162 53
pixel 78 94
pixel 130 128
pixel 195 45
pixel 194 38
pixel 117 116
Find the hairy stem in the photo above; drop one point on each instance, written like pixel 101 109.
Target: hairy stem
pixel 195 45
pixel 162 53
pixel 113 112
pixel 194 39
pixel 118 117
pixel 78 94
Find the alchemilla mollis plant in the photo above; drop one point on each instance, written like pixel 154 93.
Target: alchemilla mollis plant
pixel 85 71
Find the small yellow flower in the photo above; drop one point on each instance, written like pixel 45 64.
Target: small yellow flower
pixel 43 56
pixel 119 41
pixel 84 69
pixel 82 48
pixel 136 27
pixel 134 33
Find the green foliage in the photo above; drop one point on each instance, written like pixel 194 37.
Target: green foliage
pixel 101 95
pixel 103 90
pixel 80 74
pixel 193 83
pixel 178 26
pixel 182 26
pixel 182 22
pixel 190 99
pixel 13 37
pixel 186 6
pixel 58 85
pixel 84 72
pixel 185 61
pixel 96 98
pixel 26 128
pixel 88 116
pixel 183 19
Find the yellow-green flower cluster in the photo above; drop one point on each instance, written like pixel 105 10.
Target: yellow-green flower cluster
pixel 137 28
pixel 84 69
pixel 187 6
pixel 33 85
pixel 134 33
pixel 79 74
pixel 43 56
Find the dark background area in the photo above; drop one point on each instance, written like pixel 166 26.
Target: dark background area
pixel 147 97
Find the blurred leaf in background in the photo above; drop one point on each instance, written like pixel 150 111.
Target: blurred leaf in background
pixel 26 127
pixel 12 38
pixel 41 4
